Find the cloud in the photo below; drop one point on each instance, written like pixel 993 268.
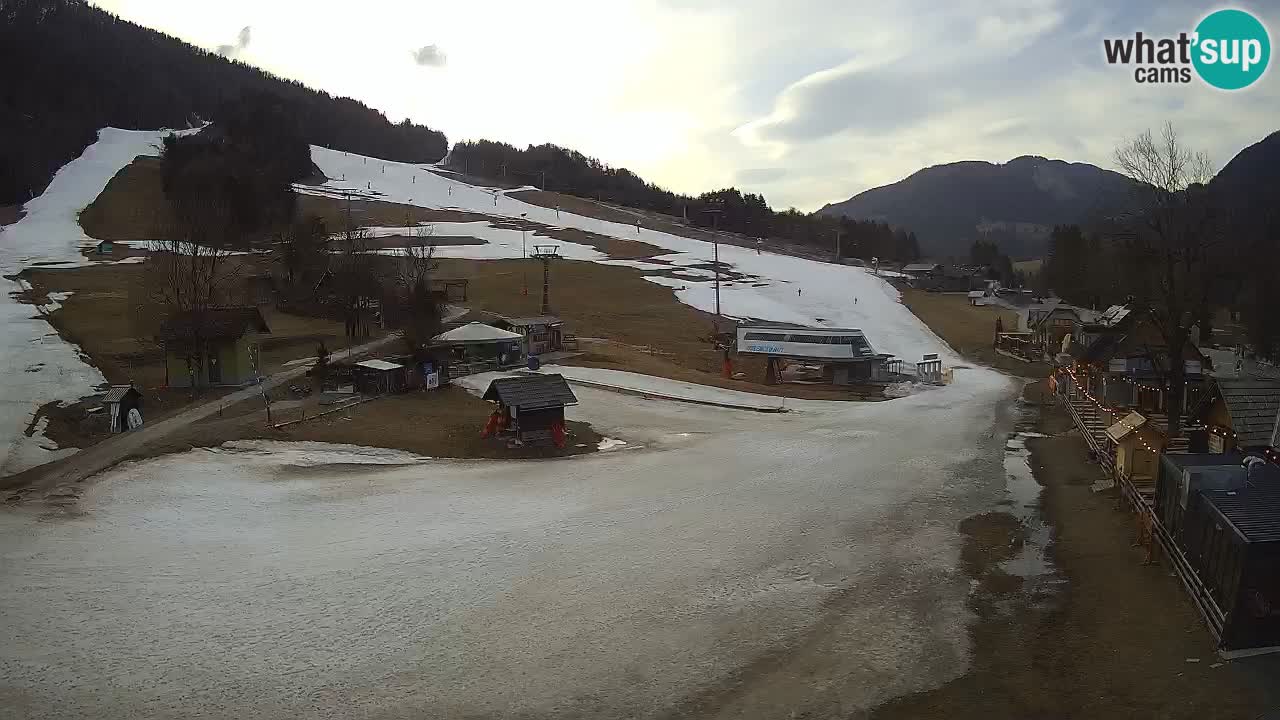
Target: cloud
pixel 242 42
pixel 429 56
pixel 760 175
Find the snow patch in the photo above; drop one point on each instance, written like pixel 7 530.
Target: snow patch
pixel 317 454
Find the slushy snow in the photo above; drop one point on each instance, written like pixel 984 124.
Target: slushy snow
pixel 36 365
pixel 794 289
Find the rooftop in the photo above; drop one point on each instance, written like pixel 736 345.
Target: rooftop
pixel 224 323
pixel 532 320
pixel 1254 511
pixel 755 324
pixel 1127 424
pixel 1253 406
pixel 379 365
pixel 531 392
pixel 118 393
pixel 475 332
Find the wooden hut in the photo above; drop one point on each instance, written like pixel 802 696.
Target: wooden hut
pixel 1243 414
pixel 379 377
pixel 1137 448
pixel 530 408
pixel 120 402
pixel 541 333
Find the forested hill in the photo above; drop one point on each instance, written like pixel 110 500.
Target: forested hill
pixel 70 69
pixel 1014 204
pixel 558 169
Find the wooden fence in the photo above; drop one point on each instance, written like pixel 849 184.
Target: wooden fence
pixel 1084 410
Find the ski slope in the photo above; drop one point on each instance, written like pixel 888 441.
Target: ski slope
pixel 785 288
pixel 36 365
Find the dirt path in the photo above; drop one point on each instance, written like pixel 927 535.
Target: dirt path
pixel 1118 639
pixel 61 479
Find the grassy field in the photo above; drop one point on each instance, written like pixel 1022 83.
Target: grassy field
pixel 970 330
pixel 98 318
pixel 1028 266
pixel 439 423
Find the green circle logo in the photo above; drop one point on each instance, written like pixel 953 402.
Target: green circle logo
pixel 1232 49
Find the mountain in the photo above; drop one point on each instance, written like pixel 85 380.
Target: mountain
pixel 1250 183
pixel 1016 203
pixel 71 68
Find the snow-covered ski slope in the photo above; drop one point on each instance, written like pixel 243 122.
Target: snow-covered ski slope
pixel 788 289
pixel 37 366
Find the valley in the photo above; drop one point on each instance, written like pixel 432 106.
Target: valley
pixel 346 373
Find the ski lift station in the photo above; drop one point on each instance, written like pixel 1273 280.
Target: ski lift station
pixel 845 355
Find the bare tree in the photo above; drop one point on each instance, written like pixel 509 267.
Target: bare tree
pixel 1170 239
pixel 419 309
pixel 299 252
pixel 184 278
pixel 356 281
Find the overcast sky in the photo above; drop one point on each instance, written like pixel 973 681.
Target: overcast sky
pixel 807 102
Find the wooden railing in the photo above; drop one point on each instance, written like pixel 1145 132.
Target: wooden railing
pixel 1200 594
pixel 1143 505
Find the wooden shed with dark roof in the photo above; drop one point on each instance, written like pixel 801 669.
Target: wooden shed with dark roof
pixel 1243 414
pixel 530 408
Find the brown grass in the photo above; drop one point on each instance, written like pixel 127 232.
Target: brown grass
pixel 595 301
pixel 1028 266
pixel 376 212
pixel 97 318
pixel 1112 642
pixel 440 423
pixel 970 330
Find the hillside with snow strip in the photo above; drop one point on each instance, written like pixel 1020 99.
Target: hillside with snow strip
pixel 784 288
pixel 36 365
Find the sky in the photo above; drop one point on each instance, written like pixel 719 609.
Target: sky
pixel 806 102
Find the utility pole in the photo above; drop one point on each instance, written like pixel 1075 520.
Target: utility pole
pixel 714 209
pixel 524 217
pixel 838 232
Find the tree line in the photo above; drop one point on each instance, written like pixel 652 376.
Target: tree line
pixel 72 69
pixel 558 169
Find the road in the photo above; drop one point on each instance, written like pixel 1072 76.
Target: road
pixel 61 478
pixel 729 564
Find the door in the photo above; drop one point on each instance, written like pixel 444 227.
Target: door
pixel 215 370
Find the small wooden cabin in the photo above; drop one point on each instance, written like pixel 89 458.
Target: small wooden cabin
pixel 223 340
pixel 119 401
pixel 530 408
pixel 379 377
pixel 1137 450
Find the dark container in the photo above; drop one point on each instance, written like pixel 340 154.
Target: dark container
pixel 1181 475
pixel 1232 538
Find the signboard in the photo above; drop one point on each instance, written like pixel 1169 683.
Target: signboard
pixel 1215 443
pixel 1117 365
pixel 931 356
pixel 433 380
